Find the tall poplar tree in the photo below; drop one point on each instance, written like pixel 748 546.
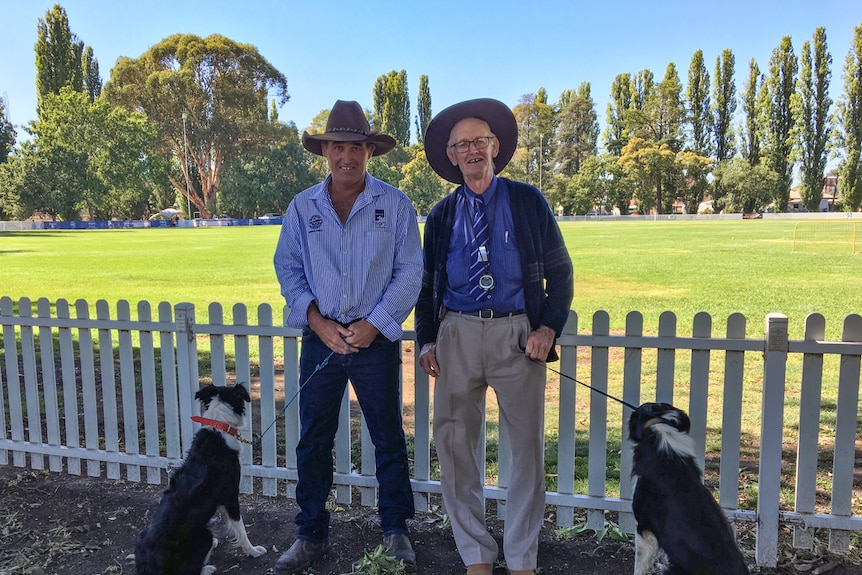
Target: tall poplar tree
pixel 616 132
pixel 781 84
pixel 7 132
pixel 58 54
pixel 813 105
pixel 423 108
pixel 724 106
pixel 698 108
pixel 577 130
pixel 392 106
pixel 850 126
pixel 92 79
pixel 751 126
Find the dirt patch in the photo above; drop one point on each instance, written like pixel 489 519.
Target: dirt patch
pixel 54 523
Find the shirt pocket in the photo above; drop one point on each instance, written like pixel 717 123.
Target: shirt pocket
pixel 379 253
pixel 458 269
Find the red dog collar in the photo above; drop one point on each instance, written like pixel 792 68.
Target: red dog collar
pixel 229 429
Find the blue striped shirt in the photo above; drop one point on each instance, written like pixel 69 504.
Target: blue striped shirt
pixel 369 267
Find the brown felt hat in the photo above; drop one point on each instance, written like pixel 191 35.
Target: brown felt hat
pixel 496 114
pixel 347 123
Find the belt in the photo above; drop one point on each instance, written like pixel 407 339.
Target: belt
pixel 489 313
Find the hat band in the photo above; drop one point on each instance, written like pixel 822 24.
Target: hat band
pixel 353 130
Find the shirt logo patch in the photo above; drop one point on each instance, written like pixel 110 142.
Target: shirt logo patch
pixel 380 218
pixel 315 221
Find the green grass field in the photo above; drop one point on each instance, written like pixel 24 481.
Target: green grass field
pixel 716 266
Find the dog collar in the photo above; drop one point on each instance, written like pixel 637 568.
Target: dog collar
pixel 220 425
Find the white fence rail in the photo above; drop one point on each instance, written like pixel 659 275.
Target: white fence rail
pixel 113 395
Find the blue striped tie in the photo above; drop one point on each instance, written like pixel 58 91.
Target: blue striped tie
pixel 480 238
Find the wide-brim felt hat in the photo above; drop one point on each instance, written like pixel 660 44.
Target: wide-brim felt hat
pixel 347 123
pixel 496 114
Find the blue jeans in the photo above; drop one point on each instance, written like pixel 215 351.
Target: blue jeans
pixel 374 374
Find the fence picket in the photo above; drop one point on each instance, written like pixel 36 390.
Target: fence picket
pixel 597 474
pixel 108 379
pixel 809 431
pixel 31 384
pixel 846 422
pixel 51 415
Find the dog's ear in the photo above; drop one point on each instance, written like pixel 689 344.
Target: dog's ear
pixel 206 393
pixel 240 391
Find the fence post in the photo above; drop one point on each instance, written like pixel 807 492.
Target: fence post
pixel 771 430
pixel 187 368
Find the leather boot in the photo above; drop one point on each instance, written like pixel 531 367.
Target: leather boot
pixel 399 547
pixel 300 556
pixel 528 572
pixel 479 569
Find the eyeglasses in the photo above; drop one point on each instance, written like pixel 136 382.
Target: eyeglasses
pixel 478 143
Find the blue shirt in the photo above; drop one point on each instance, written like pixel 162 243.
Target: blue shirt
pixel 368 268
pixel 508 292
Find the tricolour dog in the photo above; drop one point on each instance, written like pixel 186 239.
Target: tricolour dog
pixel 178 540
pixel 674 510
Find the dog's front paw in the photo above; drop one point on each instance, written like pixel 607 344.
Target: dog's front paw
pixel 256 551
pixel 208 570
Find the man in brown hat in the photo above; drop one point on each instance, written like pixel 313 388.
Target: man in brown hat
pixel 349 262
pixel 495 295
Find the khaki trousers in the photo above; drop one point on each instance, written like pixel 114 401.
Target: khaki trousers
pixel 475 354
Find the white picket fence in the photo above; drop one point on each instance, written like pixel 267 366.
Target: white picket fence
pixel 113 395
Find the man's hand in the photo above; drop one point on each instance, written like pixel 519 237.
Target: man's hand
pixel 331 333
pixel 539 343
pixel 428 359
pixel 362 333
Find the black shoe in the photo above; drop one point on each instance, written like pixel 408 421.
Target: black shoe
pixel 300 556
pixel 399 547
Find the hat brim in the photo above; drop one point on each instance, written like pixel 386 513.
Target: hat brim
pixel 383 143
pixel 496 114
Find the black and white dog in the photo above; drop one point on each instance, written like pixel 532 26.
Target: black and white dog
pixel 178 541
pixel 674 511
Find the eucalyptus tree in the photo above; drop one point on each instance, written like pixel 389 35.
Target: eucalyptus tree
pixel 648 165
pixel 577 130
pixel 751 128
pixel 813 104
pixel 849 120
pixel 698 106
pixel 423 108
pixel 746 188
pixel 724 106
pixel 617 132
pixel 59 54
pixel 208 98
pixel 781 120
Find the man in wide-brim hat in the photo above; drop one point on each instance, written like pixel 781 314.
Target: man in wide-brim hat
pixel 349 262
pixel 495 295
pixel 347 123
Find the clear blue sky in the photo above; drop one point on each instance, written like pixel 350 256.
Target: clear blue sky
pixel 334 49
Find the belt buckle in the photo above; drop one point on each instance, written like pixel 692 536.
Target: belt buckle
pixel 486 314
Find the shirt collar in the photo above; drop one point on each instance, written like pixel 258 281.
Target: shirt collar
pixel 487 195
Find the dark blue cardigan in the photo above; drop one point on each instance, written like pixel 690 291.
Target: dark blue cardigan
pixel 545 263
